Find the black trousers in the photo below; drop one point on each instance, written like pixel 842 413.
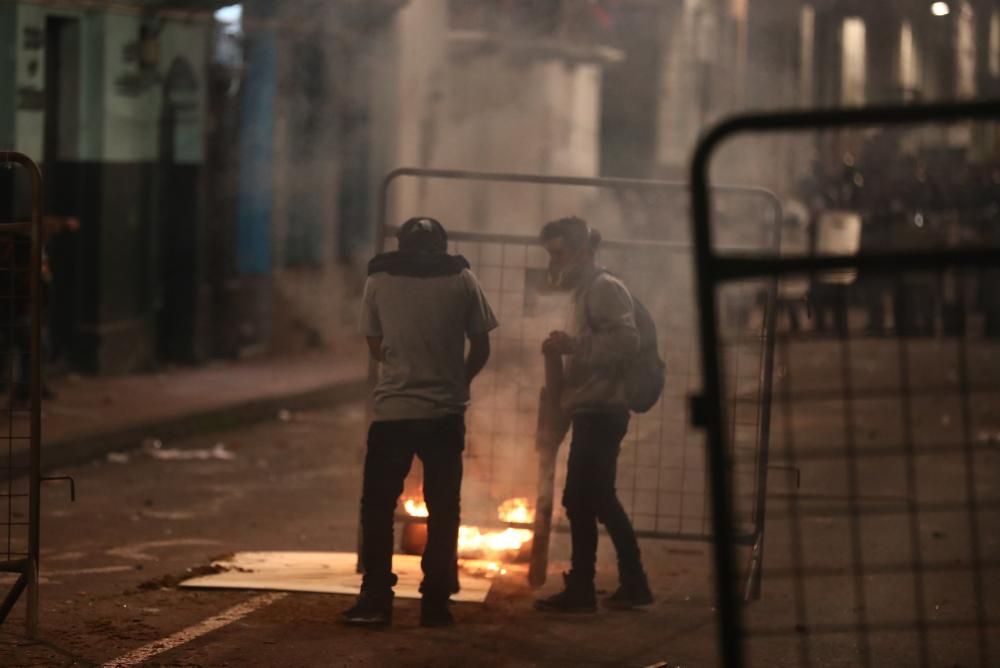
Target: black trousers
pixel 590 494
pixel 391 447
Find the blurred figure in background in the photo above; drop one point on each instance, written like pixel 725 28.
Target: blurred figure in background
pixel 15 308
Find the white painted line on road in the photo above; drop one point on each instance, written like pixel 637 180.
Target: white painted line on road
pixel 233 614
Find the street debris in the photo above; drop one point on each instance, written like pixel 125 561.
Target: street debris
pixel 170 581
pixel 118 458
pixel 154 448
pixel 285 415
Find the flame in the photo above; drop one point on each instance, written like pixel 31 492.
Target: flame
pixel 474 541
pixel 415 507
pixel 491 546
pixel 516 510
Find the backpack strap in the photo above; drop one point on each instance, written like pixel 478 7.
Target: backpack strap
pixel 586 295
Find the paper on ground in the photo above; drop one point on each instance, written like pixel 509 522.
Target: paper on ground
pixel 322 573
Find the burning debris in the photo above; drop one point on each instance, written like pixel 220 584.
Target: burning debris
pixel 474 542
pixel 516 511
pixel 481 550
pixel 415 507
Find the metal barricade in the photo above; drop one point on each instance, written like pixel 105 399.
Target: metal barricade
pixel 661 469
pixel 20 440
pixel 900 429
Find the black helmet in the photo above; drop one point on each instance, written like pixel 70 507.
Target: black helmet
pixel 424 235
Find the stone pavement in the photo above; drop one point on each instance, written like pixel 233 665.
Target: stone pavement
pixel 92 416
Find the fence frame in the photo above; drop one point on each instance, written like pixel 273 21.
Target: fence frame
pixel 27 568
pixel 755 540
pixel 714 269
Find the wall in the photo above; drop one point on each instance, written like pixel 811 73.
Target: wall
pixel 110 172
pixel 30 80
pixel 8 65
pixel 321 140
pixel 479 101
pixel 499 113
pixel 412 93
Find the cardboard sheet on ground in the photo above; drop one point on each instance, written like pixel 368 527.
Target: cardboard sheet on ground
pixel 322 573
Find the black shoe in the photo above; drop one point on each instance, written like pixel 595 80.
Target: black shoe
pixel 370 610
pixel 631 593
pixel 434 613
pixel 576 597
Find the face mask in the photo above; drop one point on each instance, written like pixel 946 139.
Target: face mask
pixel 566 278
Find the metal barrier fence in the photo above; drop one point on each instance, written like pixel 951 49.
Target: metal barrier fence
pixel 661 472
pixel 20 438
pixel 893 561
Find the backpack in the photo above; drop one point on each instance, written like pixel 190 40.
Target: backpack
pixel 645 372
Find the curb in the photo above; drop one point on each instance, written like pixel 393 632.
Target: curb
pixel 83 449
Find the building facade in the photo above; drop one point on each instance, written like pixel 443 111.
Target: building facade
pixel 227 173
pixel 112 107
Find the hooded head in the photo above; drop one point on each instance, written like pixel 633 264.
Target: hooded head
pixel 572 246
pixel 422 235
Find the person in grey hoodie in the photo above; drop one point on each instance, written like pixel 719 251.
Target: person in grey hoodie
pixel 602 337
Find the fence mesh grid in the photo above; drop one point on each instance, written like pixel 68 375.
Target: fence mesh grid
pixel 887 403
pixel 890 542
pixel 15 342
pixel 661 477
pixel 661 473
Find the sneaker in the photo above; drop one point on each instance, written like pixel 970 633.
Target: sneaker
pixel 629 595
pixel 370 610
pixel 576 597
pixel 435 613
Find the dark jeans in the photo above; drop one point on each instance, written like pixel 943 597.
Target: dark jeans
pixel 391 446
pixel 590 494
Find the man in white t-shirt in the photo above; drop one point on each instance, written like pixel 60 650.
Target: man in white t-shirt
pixel 420 305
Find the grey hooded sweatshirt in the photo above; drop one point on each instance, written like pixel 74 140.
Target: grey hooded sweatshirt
pixel 603 326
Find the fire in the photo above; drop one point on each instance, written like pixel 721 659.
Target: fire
pixel 489 546
pixel 495 545
pixel 415 507
pixel 516 510
pixel 473 542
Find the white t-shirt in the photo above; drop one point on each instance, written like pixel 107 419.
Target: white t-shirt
pixel 423 323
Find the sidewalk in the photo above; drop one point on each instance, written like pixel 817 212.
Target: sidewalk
pixel 93 416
